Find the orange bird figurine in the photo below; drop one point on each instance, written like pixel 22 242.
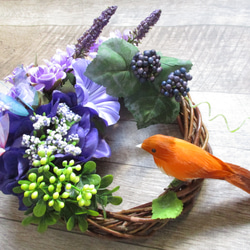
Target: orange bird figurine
pixel 186 161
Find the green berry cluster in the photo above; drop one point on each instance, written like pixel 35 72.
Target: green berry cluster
pixel 57 186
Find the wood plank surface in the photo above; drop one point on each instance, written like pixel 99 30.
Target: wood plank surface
pixel 215 36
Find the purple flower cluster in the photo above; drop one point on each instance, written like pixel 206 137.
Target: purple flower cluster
pixel 145 25
pixel 90 36
pixel 88 100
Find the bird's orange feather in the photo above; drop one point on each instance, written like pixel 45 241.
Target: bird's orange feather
pixel 185 161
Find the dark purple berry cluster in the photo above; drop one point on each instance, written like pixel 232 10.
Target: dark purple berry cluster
pixel 146 66
pixel 176 84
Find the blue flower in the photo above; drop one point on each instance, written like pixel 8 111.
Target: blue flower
pixel 90 141
pixel 94 96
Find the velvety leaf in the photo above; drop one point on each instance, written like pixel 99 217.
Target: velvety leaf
pixel 70 223
pixel 92 212
pixel 27 201
pixel 167 206
pixel 102 199
pixel 106 181
pixel 82 224
pixel 115 200
pixel 42 226
pixel 113 63
pixel 115 189
pixel 17 190
pixel 26 221
pixel 149 107
pixel 89 167
pixel 94 179
pixel 40 208
pixel 50 219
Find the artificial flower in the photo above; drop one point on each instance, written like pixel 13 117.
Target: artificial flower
pixel 94 96
pixel 44 77
pixel 4 132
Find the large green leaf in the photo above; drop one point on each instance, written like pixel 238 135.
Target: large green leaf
pixel 149 107
pixel 167 206
pixel 111 68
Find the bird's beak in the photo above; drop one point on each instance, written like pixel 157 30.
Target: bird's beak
pixel 138 146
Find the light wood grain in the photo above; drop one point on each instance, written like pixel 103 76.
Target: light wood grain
pixel 215 36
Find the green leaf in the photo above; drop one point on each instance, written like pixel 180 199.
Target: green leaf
pixel 89 167
pixel 113 63
pixel 17 190
pixel 115 189
pixel 51 219
pixel 82 224
pixel 115 200
pixel 70 223
pixel 149 107
pixel 92 212
pixel 23 182
pixel 26 221
pixel 94 179
pixel 42 98
pixel 167 206
pixel 102 199
pixel 27 201
pixel 68 84
pixel 175 183
pixel 40 208
pixel 42 226
pixel 106 181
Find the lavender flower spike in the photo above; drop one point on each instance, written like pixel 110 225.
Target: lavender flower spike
pixel 90 36
pixel 145 25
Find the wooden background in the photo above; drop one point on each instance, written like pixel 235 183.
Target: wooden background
pixel 215 36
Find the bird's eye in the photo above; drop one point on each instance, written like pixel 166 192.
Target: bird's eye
pixel 153 150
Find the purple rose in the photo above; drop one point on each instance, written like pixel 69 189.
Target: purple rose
pixel 44 76
pixel 62 58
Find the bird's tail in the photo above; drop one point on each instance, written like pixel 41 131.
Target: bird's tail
pixel 240 178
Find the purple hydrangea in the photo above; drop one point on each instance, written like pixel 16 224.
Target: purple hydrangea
pixel 94 96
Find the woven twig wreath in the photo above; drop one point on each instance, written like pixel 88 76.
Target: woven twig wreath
pixel 137 222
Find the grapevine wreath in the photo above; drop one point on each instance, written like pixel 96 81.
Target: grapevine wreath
pixel 52 125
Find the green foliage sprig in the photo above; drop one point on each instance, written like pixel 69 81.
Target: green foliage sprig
pixel 71 192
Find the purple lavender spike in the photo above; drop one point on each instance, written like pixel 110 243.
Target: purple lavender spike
pixel 145 25
pixel 89 37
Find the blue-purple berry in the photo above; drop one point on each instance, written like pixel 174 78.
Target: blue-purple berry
pixel 176 84
pixel 146 66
